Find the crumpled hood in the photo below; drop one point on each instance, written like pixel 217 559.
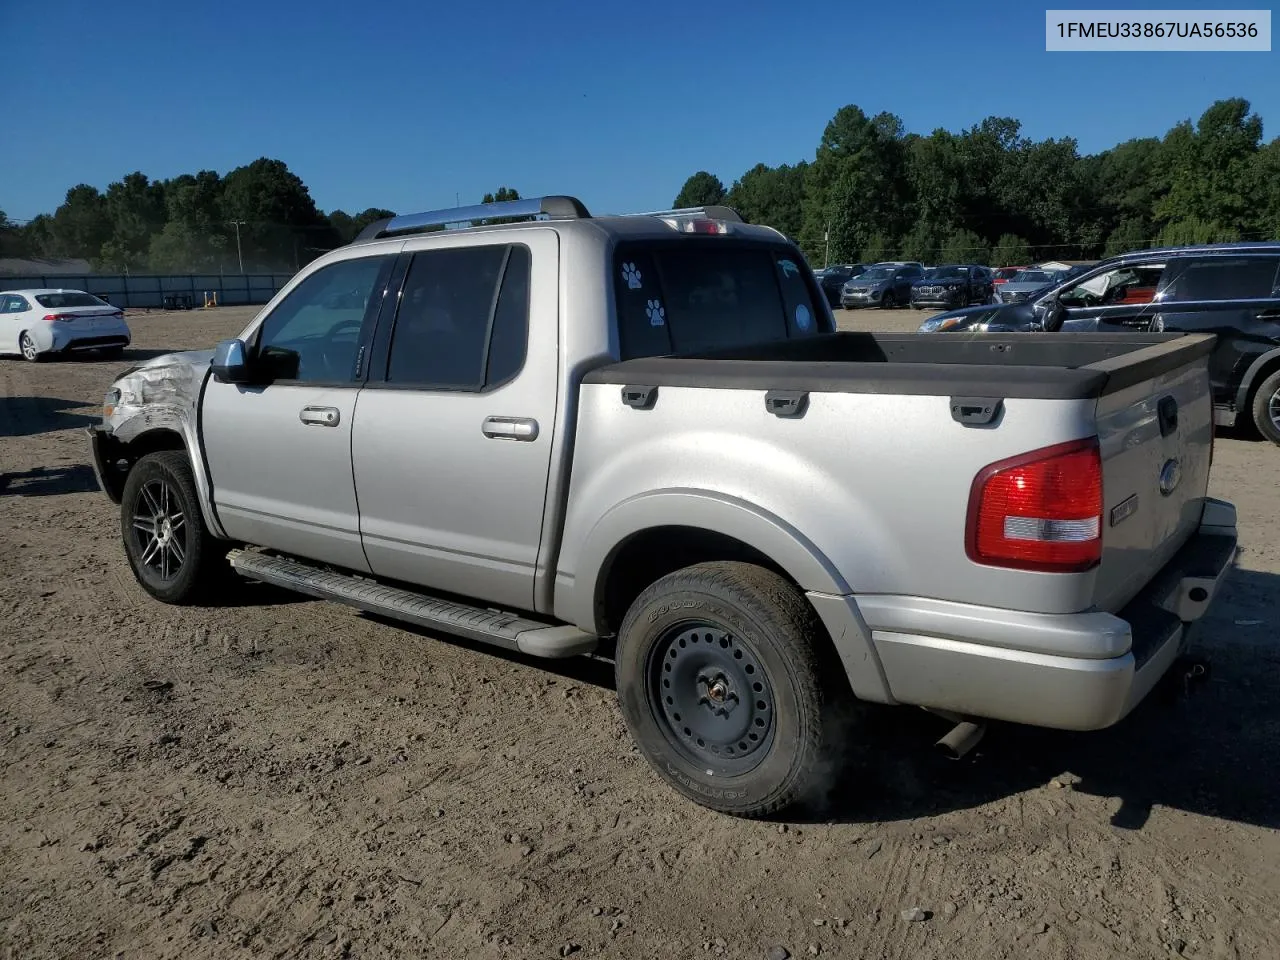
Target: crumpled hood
pixel 195 360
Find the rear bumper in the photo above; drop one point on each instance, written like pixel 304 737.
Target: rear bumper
pixel 1082 671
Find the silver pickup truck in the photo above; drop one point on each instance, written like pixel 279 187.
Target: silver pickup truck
pixel 642 437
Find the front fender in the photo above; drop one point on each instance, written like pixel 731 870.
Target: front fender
pixel 164 396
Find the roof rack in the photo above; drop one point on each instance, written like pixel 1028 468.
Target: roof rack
pixel 556 208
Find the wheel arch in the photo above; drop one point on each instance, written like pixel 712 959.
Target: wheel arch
pixel 1261 368
pixel 120 456
pixel 668 530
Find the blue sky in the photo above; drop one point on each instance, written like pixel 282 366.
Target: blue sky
pixel 408 104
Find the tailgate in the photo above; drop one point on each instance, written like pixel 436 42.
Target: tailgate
pixel 1156 437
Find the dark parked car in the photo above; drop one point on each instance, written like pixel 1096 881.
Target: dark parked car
pixel 955 285
pixel 832 279
pixel 884 285
pixel 1229 289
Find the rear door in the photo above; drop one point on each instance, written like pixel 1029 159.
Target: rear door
pixel 452 440
pixel 1236 297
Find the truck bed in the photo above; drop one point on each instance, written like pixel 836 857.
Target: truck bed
pixel 1066 366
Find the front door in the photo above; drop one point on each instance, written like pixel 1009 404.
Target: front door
pixel 453 433
pixel 1113 301
pixel 279 451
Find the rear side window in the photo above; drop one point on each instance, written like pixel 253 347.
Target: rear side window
pixel 1244 278
pixel 463 319
pixel 693 297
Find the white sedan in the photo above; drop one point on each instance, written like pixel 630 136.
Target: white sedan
pixel 36 323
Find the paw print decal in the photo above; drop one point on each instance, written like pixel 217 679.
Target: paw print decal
pixel 631 275
pixel 789 268
pixel 653 310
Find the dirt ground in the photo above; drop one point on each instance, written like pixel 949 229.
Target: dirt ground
pixel 286 778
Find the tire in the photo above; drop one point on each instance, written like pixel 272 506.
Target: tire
pixel 161 485
pixel 28 348
pixel 723 638
pixel 888 301
pixel 1266 408
pixel 111 353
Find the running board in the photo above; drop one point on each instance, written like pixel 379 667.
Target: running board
pixel 488 626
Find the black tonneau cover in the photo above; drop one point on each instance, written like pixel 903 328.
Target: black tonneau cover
pixel 1062 366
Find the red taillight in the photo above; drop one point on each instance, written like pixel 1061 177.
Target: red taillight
pixel 1039 511
pixel 59 317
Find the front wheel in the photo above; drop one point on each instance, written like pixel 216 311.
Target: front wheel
pixel 173 555
pixel 1266 408
pixel 888 301
pixel 728 686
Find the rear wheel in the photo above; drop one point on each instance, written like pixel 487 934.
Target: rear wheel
pixel 173 555
pixel 1266 408
pixel 888 301
pixel 724 681
pixel 29 349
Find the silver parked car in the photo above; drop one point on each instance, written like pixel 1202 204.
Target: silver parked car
pixel 1026 282
pixel 643 436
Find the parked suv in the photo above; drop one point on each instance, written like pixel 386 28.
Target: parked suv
pixel 956 285
pixel 1232 290
pixel 832 279
pixel 884 285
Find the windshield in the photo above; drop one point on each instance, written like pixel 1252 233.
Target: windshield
pixel 692 297
pixel 950 273
pixel 71 298
pixel 1033 276
pixel 875 273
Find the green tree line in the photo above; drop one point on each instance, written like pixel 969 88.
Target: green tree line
pixel 871 191
pixel 189 223
pixel 991 195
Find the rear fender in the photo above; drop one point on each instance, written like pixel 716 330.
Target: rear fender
pixel 1252 376
pixel 791 550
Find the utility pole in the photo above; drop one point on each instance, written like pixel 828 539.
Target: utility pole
pixel 239 256
pixel 826 237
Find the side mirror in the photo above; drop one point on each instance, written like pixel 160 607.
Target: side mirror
pixel 231 362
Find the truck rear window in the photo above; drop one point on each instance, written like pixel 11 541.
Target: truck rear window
pixel 692 296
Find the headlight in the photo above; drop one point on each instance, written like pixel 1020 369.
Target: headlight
pixel 936 324
pixel 109 403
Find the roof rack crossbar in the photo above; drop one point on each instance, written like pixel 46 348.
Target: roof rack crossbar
pixel 554 207
pixel 710 212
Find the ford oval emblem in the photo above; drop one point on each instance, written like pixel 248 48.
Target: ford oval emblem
pixel 1170 476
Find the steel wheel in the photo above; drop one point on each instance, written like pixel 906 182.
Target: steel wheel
pixel 28 347
pixel 160 529
pixel 711 698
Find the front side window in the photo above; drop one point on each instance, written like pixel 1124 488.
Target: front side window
pixel 1243 278
pixel 313 335
pixel 463 322
pixel 1130 285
